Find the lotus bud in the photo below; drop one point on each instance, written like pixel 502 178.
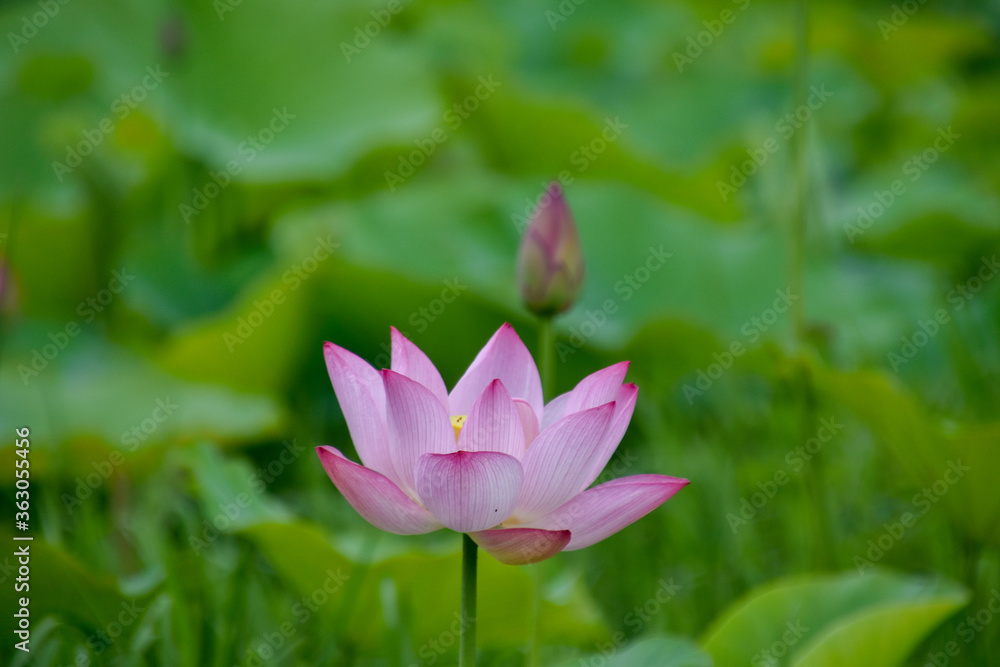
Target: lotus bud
pixel 550 259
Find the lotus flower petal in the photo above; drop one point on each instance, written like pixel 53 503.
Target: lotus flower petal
pixel 417 423
pixel 494 424
pixel 362 399
pixel 469 491
pixel 410 360
pixel 529 422
pixel 375 497
pixel 505 358
pixel 605 509
pixel 521 546
pixel 560 459
pixel 624 407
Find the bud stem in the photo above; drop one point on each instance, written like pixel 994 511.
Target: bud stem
pixel 546 351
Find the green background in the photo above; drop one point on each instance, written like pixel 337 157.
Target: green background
pixel 267 175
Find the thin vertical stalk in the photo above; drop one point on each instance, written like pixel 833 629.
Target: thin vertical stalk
pixel 547 370
pixel 817 473
pixel 546 352
pixel 467 637
pixel 801 214
pixel 534 648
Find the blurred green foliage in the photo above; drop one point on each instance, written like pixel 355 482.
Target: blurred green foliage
pixel 194 195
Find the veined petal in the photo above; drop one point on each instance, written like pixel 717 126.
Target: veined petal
pixel 362 400
pixel 624 407
pixel 410 360
pixel 367 376
pixel 417 424
pixel 555 410
pixel 529 422
pixel 597 388
pixel 521 546
pixel 493 424
pixel 559 460
pixel 469 491
pixel 375 497
pixel 602 511
pixel 504 357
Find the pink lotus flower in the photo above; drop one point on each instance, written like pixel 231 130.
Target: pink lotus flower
pixel 489 459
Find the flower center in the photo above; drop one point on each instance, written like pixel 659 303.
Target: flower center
pixel 457 422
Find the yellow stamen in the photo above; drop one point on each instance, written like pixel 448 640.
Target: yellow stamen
pixel 457 422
